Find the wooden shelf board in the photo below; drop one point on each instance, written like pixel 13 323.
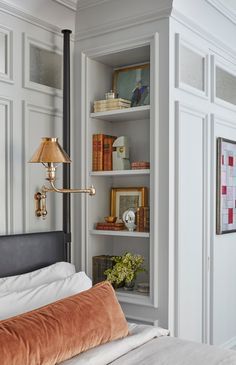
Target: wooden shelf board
pixel 120 172
pixel 127 114
pixel 123 233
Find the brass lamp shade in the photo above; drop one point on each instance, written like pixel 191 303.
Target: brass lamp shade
pixel 50 151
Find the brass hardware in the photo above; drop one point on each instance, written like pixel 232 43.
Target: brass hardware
pixel 49 153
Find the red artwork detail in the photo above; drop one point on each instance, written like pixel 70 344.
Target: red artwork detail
pixel 230 216
pixel 222 160
pixel 231 161
pixel 224 190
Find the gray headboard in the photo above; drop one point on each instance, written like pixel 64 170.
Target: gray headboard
pixel 22 253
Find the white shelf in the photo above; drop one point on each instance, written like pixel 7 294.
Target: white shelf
pixel 122 115
pixel 133 297
pixel 123 233
pixel 120 172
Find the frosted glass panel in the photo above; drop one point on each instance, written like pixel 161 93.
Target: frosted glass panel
pixel 191 68
pixel 45 67
pixel 225 86
pixel 3 53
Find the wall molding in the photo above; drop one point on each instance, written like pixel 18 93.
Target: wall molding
pixel 70 4
pixel 8 75
pixel 124 23
pixel 27 83
pixel 203 33
pixel 27 108
pixel 8 129
pixel 223 9
pixel 84 4
pixel 6 7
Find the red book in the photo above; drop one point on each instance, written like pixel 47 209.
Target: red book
pixel 100 141
pixel 95 153
pixel 107 152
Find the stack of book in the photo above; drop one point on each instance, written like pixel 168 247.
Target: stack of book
pixel 110 226
pixel 139 165
pixel 110 104
pixel 102 152
pixel 142 219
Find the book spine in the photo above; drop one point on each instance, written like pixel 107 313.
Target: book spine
pixel 94 153
pixel 106 152
pixel 100 142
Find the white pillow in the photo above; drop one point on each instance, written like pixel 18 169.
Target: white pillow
pixel 17 302
pixel 48 274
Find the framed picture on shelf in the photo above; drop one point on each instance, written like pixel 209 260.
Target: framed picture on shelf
pixel 125 198
pixel 226 186
pixel 133 83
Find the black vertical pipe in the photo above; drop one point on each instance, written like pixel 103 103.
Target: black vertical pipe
pixel 66 138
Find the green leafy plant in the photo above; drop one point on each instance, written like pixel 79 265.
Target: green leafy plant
pixel 125 269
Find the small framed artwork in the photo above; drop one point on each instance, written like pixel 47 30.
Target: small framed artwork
pixel 125 198
pixel 226 186
pixel 133 83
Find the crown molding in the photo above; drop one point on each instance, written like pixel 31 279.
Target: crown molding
pixel 203 33
pixel 125 22
pixel 70 4
pixel 9 8
pixel 225 10
pixel 84 4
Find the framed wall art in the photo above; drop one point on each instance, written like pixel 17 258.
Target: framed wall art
pixel 226 186
pixel 133 83
pixel 125 198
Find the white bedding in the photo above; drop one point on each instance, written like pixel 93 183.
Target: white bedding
pixel 151 346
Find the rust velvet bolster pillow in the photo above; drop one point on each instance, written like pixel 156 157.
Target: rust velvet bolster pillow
pixel 62 329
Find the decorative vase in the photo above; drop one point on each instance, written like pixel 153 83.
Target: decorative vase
pixel 129 285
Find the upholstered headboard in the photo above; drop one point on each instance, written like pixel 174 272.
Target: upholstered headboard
pixel 22 253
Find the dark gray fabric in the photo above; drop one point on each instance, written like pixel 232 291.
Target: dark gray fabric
pixel 23 253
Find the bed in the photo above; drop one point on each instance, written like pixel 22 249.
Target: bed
pixel 144 344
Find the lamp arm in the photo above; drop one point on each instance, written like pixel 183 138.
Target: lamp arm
pixel 90 191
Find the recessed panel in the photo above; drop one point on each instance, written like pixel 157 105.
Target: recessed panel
pixel 3 53
pixel 192 68
pixel 225 86
pixel 45 67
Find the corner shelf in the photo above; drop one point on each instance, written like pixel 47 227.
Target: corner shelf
pixel 120 172
pixel 123 233
pixel 122 115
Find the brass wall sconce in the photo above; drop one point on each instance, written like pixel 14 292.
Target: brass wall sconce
pixel 50 153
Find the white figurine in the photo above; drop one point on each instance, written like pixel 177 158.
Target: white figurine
pixel 120 157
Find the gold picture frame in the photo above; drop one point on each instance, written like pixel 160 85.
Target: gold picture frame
pixel 133 83
pixel 125 198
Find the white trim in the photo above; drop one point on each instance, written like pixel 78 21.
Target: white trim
pixel 70 4
pixel 225 10
pixel 27 83
pixel 200 52
pixel 8 75
pixel 124 23
pixel 153 322
pixel 8 8
pixel 84 4
pixel 203 33
pixel 230 69
pixel 182 107
pixel 8 104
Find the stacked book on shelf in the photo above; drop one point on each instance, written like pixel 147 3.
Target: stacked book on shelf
pixel 140 165
pixel 118 226
pixel 142 219
pixel 102 152
pixel 110 104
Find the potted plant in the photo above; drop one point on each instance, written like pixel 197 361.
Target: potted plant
pixel 125 270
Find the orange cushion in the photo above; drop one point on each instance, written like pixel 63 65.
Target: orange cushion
pixel 63 329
